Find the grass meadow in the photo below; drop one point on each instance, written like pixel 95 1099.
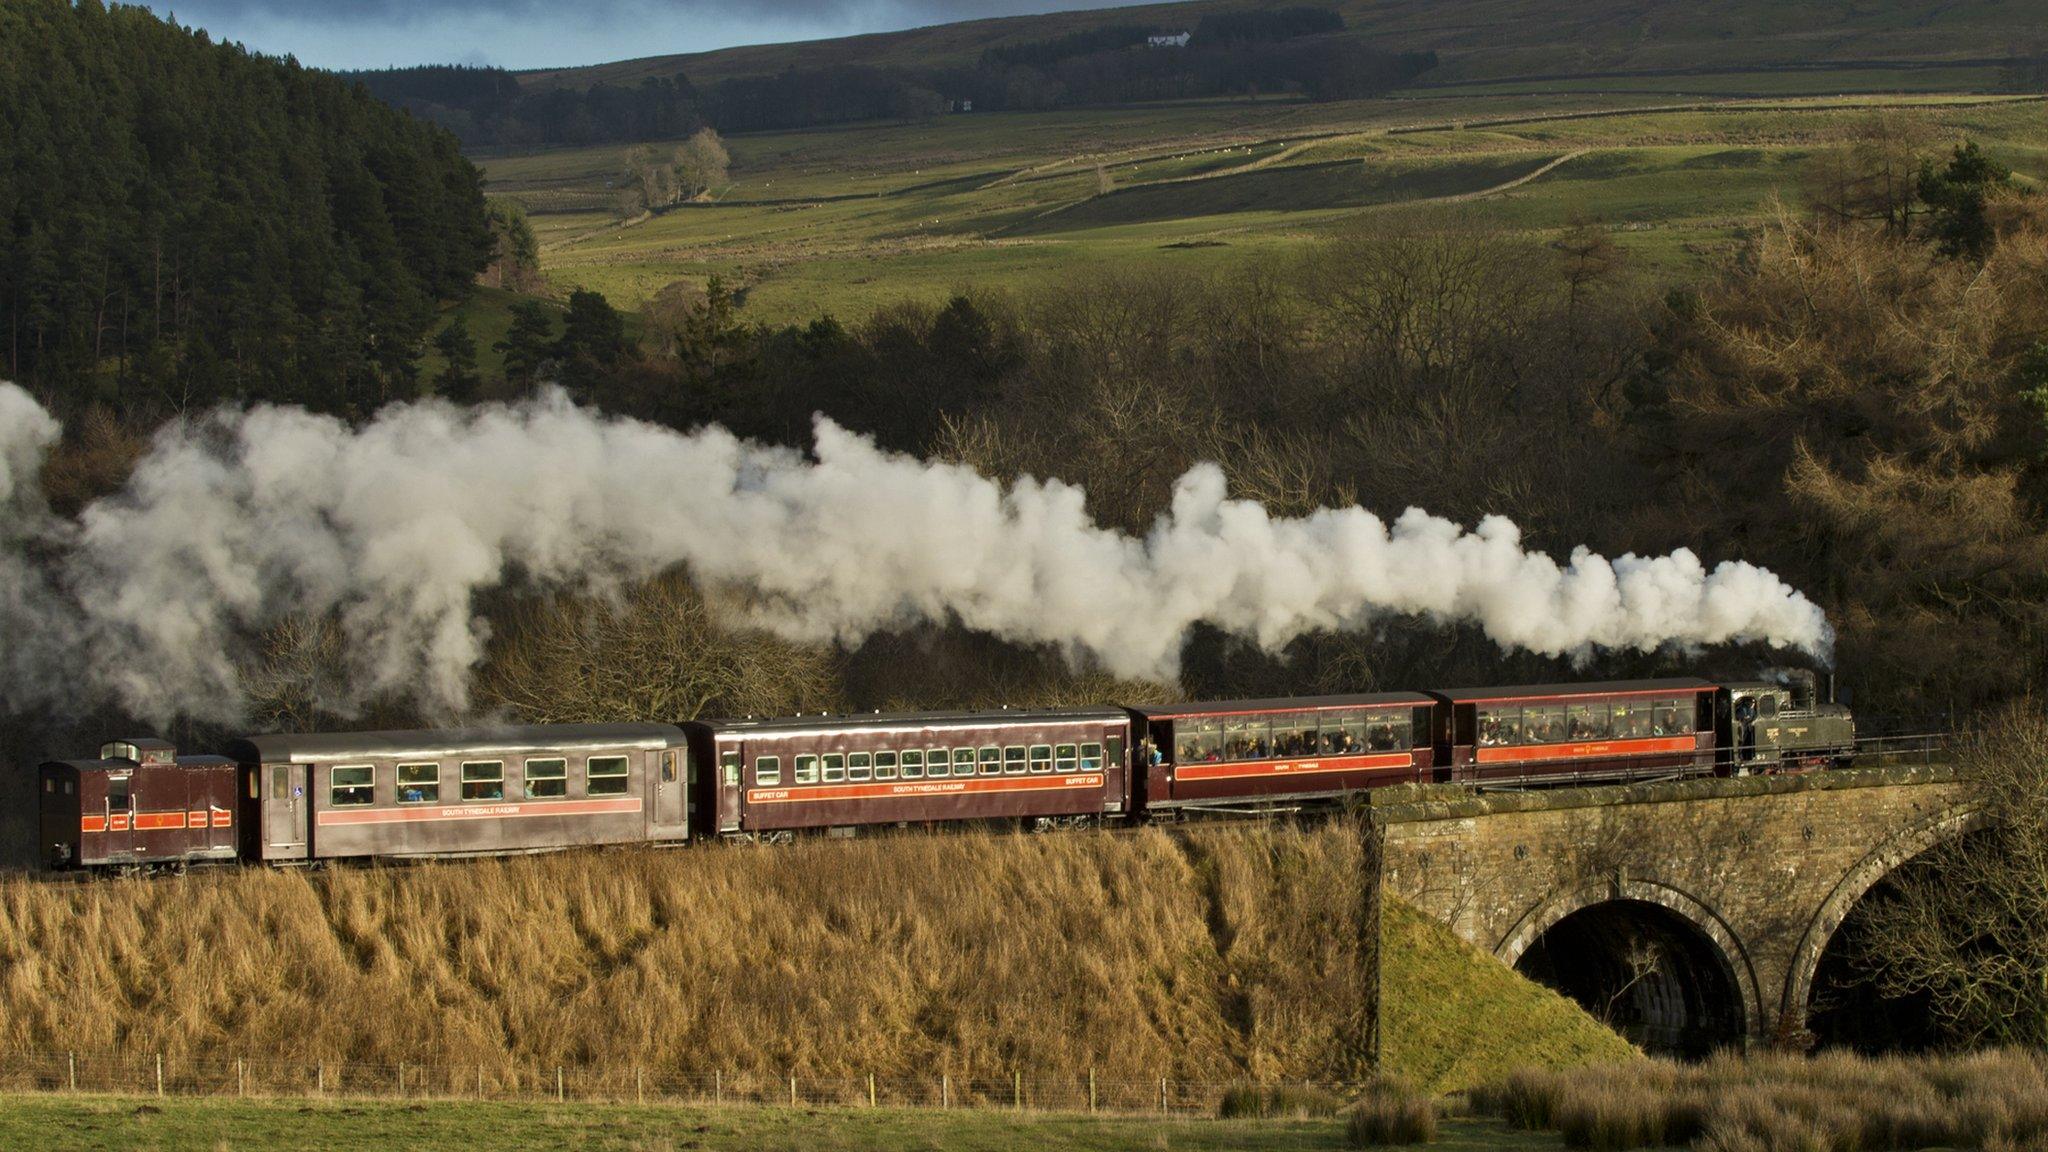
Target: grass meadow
pixel 847 220
pixel 118 1124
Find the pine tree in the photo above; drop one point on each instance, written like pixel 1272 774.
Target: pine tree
pixel 528 345
pixel 458 381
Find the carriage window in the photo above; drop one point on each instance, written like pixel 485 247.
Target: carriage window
pixel 356 784
pixel 1588 721
pixel 729 768
pixel 885 765
pixel 602 776
pixel 1500 724
pixel 1631 718
pixel 767 769
pixel 991 760
pixel 1380 732
pixel 859 766
pixel 668 767
pixel 1013 760
pixel 835 767
pixel 1544 723
pixel 1041 757
pixel 419 783
pixel 1672 717
pixel 1091 757
pixel 546 779
pixel 913 764
pixel 1065 757
pixel 963 761
pixel 483 780
pixel 807 769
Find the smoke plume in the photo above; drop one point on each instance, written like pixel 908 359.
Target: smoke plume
pixel 237 519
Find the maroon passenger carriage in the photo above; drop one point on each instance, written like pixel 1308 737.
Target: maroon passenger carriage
pixel 1260 753
pixel 460 792
pixel 772 778
pixel 1616 729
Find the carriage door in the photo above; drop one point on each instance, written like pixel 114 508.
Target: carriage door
pixel 284 809
pixel 122 837
pixel 666 769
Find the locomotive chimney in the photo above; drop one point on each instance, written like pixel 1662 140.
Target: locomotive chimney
pixel 1801 682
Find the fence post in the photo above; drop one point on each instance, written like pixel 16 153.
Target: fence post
pixel 401 1079
pixel 558 1083
pixel 792 1090
pixel 1017 1089
pixel 159 1074
pixel 71 1061
pixel 1162 1094
pixel 639 1088
pixel 945 1090
pixel 479 1081
pixel 241 1078
pixel 871 1089
pixel 320 1078
pixel 718 1086
pixel 1091 1089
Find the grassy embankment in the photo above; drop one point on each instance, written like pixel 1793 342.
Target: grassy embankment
pixel 1226 954
pixel 843 221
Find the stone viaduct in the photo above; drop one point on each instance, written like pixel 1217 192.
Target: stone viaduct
pixel 1692 913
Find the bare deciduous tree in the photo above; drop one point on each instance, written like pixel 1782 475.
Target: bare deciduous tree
pixel 658 652
pixel 1967 925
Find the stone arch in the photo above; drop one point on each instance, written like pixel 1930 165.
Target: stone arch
pixel 1730 952
pixel 1879 862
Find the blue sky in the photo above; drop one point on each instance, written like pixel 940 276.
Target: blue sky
pixel 539 33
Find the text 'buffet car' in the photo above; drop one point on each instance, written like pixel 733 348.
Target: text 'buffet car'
pixel 440 793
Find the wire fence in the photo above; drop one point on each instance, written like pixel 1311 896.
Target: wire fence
pixel 160 1075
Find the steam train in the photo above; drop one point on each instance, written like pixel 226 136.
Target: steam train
pixel 308 799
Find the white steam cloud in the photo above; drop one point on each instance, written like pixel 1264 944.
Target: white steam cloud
pixel 237 519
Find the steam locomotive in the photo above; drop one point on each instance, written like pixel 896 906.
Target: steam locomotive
pixel 308 799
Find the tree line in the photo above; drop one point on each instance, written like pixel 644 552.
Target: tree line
pixel 1298 50
pixel 182 221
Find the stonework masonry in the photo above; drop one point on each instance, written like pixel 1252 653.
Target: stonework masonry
pixel 1763 867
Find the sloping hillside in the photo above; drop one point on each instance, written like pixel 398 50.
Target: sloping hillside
pixel 1207 957
pixel 1477 40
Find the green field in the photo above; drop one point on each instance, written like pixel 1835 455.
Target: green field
pixel 845 220
pixel 95 1123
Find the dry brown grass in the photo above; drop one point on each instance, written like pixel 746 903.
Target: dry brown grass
pixel 1390 1111
pixel 1219 955
pixel 1832 1103
pixel 901 956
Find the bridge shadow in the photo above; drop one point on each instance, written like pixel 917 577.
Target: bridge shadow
pixel 1645 970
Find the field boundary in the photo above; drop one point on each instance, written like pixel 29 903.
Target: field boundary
pixel 162 1076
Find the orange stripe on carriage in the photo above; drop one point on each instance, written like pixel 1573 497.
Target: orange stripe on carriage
pixel 223 818
pixel 92 824
pixel 1601 749
pixel 911 789
pixel 1258 769
pixel 497 810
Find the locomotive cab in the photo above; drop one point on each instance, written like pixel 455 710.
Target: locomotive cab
pixel 1772 726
